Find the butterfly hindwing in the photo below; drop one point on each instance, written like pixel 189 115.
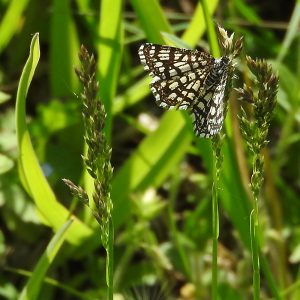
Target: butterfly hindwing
pixel 178 92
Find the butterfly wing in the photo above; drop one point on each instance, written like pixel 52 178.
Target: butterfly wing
pixel 178 74
pixel 178 92
pixel 167 62
pixel 188 79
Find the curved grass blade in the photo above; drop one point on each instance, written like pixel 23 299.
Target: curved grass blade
pixel 33 286
pixel 31 173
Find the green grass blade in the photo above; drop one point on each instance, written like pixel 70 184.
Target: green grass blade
pixel 151 163
pixel 54 283
pixel 174 41
pixel 211 31
pixel 63 50
pixel 111 32
pixel 33 286
pixel 247 12
pixel 10 21
pixel 86 11
pixel 152 19
pixel 132 95
pixel 30 171
pixel 292 32
pixel 197 26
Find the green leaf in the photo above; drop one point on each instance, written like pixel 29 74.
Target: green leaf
pixel 63 50
pixel 291 33
pixel 33 286
pixel 31 174
pixel 134 94
pixel 175 41
pixel 152 19
pixel 111 32
pixel 247 11
pixel 11 21
pixel 151 163
pixel 197 25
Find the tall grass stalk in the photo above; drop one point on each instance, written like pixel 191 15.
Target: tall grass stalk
pixel 255 131
pixel 217 164
pixel 231 49
pixel 97 160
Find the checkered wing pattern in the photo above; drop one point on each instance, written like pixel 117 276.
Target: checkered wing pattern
pixel 188 79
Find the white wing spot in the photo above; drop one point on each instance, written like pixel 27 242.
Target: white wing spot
pixel 173 72
pixel 173 85
pixel 183 79
pixel 172 96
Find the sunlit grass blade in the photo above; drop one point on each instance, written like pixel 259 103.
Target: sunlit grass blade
pixel 131 96
pixel 151 162
pixel 34 180
pixel 33 286
pixel 175 41
pixel 292 32
pixel 152 19
pixel 197 25
pixel 10 21
pixel 111 35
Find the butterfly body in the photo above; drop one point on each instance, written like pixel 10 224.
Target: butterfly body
pixel 189 80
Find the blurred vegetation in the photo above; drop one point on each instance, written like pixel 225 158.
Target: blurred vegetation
pixel 161 187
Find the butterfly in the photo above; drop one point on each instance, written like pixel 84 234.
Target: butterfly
pixel 189 80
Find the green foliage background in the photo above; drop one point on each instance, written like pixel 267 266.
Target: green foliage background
pixel 162 173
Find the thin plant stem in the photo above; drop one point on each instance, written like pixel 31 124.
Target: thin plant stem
pixel 254 229
pixel 213 41
pixel 255 254
pixel 215 234
pixel 110 260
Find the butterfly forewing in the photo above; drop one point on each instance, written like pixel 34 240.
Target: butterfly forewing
pixel 166 62
pixel 188 79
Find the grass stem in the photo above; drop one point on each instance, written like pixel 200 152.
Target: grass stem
pixel 215 234
pixel 110 261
